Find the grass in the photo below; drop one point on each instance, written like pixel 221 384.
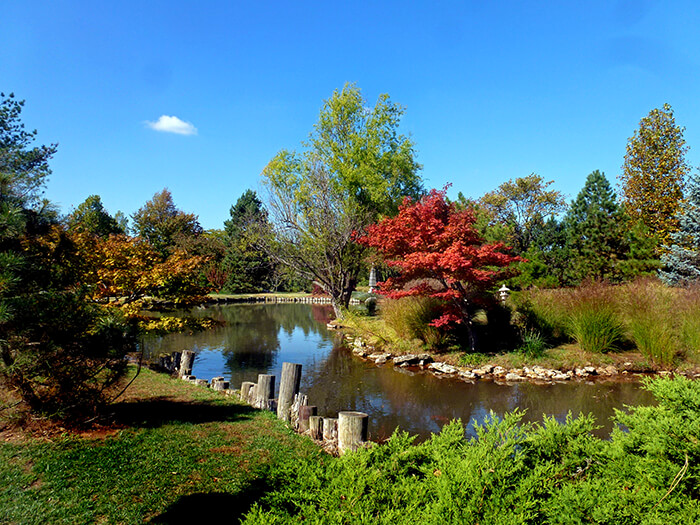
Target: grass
pixel 170 453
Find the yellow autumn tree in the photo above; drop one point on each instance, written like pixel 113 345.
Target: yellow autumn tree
pixel 654 172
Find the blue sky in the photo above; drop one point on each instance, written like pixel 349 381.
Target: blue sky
pixel 492 90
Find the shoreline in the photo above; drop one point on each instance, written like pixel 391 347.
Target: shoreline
pixel 536 374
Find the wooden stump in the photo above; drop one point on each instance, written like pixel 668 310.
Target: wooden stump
pixel 186 361
pixel 201 382
pixel 305 412
pixel 330 428
pixel 246 387
pixel 265 391
pixel 289 387
pixel 316 427
pixel 220 385
pixel 352 430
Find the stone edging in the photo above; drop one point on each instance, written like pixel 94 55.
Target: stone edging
pixel 535 374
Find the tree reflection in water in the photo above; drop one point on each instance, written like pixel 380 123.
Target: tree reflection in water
pixel 257 338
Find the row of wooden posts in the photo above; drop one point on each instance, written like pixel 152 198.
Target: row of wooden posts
pixel 348 430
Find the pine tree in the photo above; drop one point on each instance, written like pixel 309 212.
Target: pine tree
pixel 654 172
pixel 593 231
pixel 682 259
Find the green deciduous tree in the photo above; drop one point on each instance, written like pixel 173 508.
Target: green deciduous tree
pixel 654 172
pixel 523 205
pixel 356 167
pixel 161 223
pixel 90 216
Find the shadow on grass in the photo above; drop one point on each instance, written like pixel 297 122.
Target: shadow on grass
pixel 160 411
pixel 212 507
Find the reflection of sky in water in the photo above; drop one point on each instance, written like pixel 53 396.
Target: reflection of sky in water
pixel 258 339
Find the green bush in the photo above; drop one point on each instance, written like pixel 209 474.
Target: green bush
pixel 511 473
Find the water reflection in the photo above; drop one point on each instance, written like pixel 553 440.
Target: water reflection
pixel 258 338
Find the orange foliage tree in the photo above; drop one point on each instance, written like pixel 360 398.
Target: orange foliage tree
pixel 439 253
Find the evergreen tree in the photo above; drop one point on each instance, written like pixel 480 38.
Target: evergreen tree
pixel 682 258
pixel 593 232
pixel 248 268
pixel 654 172
pixel 546 259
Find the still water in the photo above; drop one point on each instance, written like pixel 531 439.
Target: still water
pixel 256 339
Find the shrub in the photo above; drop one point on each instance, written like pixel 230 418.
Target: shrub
pixel 510 472
pixel 62 352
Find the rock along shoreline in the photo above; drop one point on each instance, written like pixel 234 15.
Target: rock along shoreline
pixel 533 374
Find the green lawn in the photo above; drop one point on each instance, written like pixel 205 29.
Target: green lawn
pixel 183 455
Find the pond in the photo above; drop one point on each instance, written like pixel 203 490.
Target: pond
pixel 258 338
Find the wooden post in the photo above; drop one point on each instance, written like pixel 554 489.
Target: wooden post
pixel 352 430
pixel 253 394
pixel 186 361
pixel 330 428
pixel 201 382
pixel 246 387
pixel 289 387
pixel 316 427
pixel 265 391
pixel 177 356
pixel 305 412
pixel 220 385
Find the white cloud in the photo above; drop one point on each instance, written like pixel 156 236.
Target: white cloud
pixel 172 124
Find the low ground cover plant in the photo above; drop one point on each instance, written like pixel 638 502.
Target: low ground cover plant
pixel 515 473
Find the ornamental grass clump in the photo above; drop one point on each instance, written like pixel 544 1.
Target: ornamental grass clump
pixel 410 318
pixel 650 319
pixel 593 322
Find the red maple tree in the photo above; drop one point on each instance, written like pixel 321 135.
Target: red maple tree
pixel 439 253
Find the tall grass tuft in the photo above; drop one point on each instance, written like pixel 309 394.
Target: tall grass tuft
pixel 688 316
pixel 410 317
pixel 651 320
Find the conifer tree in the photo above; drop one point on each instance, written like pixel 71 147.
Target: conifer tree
pixel 593 231
pixel 654 172
pixel 682 259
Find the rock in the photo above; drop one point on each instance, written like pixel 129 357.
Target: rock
pixel 380 358
pixel 443 368
pixel 498 371
pixel 609 370
pixel 407 359
pixel 591 370
pixel 559 376
pixel 512 376
pixel 467 374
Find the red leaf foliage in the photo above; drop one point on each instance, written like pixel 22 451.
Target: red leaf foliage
pixel 439 253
